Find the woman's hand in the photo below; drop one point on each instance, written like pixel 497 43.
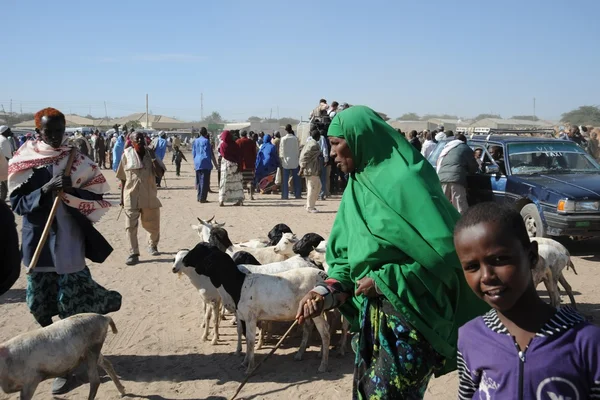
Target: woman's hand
pixel 366 286
pixel 310 306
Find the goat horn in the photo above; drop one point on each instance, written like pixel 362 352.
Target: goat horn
pixel 202 221
pixel 210 220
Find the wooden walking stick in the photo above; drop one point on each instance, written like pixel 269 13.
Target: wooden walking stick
pixel 46 231
pixel 263 360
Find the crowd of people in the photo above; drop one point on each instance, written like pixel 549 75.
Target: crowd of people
pixel 425 290
pixel 270 164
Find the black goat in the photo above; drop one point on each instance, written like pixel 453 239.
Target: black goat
pixel 307 244
pixel 277 232
pixel 220 239
pixel 243 257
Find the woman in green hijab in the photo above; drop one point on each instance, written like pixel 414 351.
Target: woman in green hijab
pixel 393 270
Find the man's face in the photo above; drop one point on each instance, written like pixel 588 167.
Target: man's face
pixel 53 131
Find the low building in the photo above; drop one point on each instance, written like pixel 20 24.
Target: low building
pixel 163 121
pixel 498 123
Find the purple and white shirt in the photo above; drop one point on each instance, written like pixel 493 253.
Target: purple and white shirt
pixel 561 362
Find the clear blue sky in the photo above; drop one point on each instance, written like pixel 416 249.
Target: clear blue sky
pixel 251 56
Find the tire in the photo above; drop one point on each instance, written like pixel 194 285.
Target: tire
pixel 533 221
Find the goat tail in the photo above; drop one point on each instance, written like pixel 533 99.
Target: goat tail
pixel 113 327
pixel 572 266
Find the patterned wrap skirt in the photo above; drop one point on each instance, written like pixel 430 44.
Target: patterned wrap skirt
pixel 230 186
pixel 393 360
pixel 50 294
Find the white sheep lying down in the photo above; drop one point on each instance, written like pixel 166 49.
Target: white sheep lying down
pixel 261 297
pixel 54 351
pixel 554 257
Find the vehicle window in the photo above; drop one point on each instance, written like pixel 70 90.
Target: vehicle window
pixel 549 157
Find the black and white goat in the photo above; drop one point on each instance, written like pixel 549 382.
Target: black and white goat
pixel 261 297
pixel 205 227
pixel 209 295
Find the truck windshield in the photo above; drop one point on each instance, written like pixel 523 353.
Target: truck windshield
pixel 549 157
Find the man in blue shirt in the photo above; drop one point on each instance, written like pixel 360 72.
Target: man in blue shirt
pixel 160 149
pixel 203 155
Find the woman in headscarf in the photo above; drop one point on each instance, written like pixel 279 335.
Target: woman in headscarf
pixel 230 187
pixel 393 270
pixel 267 162
pixel 117 152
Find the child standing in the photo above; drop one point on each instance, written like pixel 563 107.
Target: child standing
pixel 523 348
pixel 177 157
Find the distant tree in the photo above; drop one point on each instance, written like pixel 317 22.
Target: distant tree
pixel 254 119
pixel 584 115
pixel 484 116
pixel 271 120
pixel 288 120
pixel 135 124
pixel 89 117
pixel 411 116
pixel 427 117
pixel 214 118
pixel 526 117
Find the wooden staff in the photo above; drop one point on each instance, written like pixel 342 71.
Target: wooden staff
pixel 46 231
pixel 263 360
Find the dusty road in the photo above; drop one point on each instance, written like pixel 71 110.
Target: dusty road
pixel 158 352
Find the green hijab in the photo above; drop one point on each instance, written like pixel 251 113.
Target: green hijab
pixel 395 225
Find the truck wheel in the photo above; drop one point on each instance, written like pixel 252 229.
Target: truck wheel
pixel 533 221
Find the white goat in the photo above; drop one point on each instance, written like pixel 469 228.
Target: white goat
pixel 205 227
pixel 271 269
pixel 265 255
pixel 318 257
pixel 261 297
pixel 209 295
pixel 554 257
pixel 54 351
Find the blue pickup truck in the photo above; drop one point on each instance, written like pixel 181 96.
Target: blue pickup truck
pixel 554 183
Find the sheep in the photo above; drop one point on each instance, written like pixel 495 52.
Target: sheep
pixel 554 257
pixel 276 233
pixel 204 228
pixel 307 244
pixel 266 255
pixel 209 295
pixel 56 350
pixel 312 246
pixel 261 297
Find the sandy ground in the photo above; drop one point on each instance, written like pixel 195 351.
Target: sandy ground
pixel 158 352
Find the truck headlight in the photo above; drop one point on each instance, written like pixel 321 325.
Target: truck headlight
pixel 571 206
pixel 587 206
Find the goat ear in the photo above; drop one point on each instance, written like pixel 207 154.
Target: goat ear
pixel 220 225
pixel 196 227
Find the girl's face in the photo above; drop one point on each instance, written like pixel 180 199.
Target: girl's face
pixel 496 265
pixel 341 154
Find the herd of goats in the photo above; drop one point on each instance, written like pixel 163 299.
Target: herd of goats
pixel 259 281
